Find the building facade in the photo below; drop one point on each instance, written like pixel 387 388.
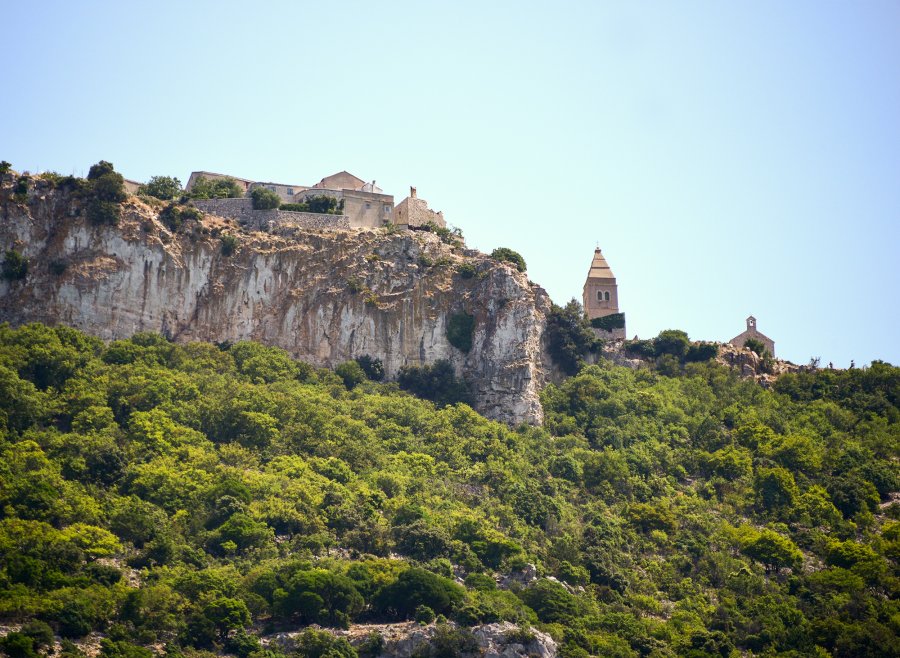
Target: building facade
pixel 413 212
pixel 741 339
pixel 600 298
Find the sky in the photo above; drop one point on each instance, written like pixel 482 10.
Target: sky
pixel 729 158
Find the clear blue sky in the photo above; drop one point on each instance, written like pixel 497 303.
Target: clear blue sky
pixel 729 158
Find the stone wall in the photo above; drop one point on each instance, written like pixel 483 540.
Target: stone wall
pixel 241 210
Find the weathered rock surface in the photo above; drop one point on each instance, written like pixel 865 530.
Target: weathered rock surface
pixel 325 297
pixel 407 639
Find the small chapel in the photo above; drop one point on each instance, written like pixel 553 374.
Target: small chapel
pixel 601 300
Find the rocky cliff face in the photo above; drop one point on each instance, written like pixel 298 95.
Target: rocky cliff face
pixel 325 297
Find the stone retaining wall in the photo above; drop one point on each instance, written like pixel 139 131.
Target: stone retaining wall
pixel 241 210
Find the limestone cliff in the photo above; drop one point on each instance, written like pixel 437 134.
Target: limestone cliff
pixel 325 297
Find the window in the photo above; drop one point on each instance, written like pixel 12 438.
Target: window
pixel 290 191
pixel 599 295
pixel 368 205
pixel 606 296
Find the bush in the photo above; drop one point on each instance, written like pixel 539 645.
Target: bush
pixel 322 644
pixel 229 244
pixel 508 255
pixel 162 187
pixel 15 266
pixel 671 341
pixel 460 329
pixel 264 198
pixel 373 367
pixel 437 382
pixel 18 645
pixel 424 615
pixel 701 352
pixel 755 345
pixel 466 270
pixel 174 216
pixel 351 372
pixel 101 213
pixel 550 601
pixel 5 167
pixel 417 587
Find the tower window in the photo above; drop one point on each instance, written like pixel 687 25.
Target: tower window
pixel 599 295
pixel 606 296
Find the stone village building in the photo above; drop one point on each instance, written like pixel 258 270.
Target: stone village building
pixel 365 205
pixel 741 339
pixel 600 298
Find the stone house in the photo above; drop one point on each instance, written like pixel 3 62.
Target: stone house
pixel 414 212
pixel 741 339
pixel 600 297
pixel 209 175
pixel 365 204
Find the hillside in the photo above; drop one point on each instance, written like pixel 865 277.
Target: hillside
pixel 114 268
pixel 188 497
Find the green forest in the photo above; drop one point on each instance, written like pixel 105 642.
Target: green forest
pixel 192 498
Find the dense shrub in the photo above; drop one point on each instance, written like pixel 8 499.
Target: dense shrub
pixel 372 366
pixel 508 255
pixel 351 373
pixel 418 587
pixel 466 270
pixel 436 382
pixel 102 213
pixel 460 329
pixel 701 352
pixel 264 198
pixel 229 244
pixel 755 345
pixel 174 216
pixel 15 266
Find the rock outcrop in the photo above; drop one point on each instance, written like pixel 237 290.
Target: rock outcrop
pixel 325 296
pixel 407 639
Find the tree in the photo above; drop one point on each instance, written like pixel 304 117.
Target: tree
pixel 352 374
pixel 372 366
pixel 162 187
pixel 773 550
pixel 264 198
pixel 102 168
pixel 569 336
pixel 775 489
pixel 226 614
pixel 509 256
pixel 219 188
pixel 436 382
